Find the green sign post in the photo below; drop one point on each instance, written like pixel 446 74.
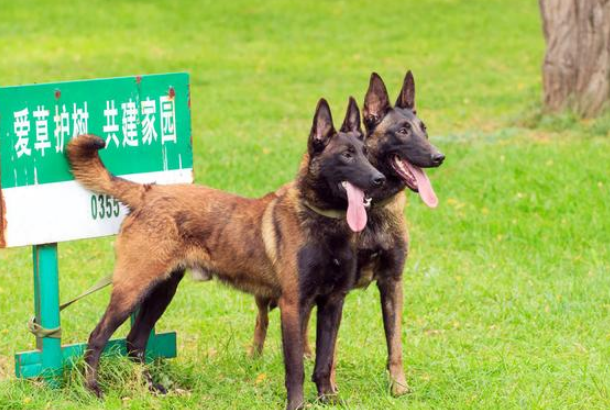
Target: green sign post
pixel 146 122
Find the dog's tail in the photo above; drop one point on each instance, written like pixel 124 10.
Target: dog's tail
pixel 88 169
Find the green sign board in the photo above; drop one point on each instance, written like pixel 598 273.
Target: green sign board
pixel 145 121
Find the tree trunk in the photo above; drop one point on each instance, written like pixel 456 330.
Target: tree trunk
pixel 576 69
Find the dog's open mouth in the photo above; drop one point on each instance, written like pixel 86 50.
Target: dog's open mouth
pixel 367 199
pixel 357 203
pixel 402 169
pixel 416 179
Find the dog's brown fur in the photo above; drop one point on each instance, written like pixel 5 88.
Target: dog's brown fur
pixel 273 247
pixel 383 245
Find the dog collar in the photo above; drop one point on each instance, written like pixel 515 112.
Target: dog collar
pixel 339 214
pixel 329 213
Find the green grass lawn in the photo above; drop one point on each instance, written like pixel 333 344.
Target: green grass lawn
pixel 507 287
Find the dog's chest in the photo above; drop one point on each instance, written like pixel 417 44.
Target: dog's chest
pixel 375 245
pixel 376 239
pixel 326 267
pixel 339 272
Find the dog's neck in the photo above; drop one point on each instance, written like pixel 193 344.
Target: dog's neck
pixel 316 192
pixel 314 189
pixel 393 184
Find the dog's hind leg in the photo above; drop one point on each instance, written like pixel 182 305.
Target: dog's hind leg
pixel 262 323
pixel 333 372
pixel 150 310
pixel 120 307
pixel 264 305
pixel 133 278
pixel 307 352
pixel 329 319
pixel 390 290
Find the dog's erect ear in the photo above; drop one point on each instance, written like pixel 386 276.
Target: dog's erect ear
pixel 406 98
pixel 351 123
pixel 376 102
pixel 322 128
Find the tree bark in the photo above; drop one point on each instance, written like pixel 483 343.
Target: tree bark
pixel 576 69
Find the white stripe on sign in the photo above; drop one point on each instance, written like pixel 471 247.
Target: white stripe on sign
pixel 65 211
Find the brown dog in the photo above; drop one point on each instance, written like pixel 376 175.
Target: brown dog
pixel 398 146
pixel 277 247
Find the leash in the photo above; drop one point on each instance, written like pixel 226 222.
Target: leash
pixel 37 330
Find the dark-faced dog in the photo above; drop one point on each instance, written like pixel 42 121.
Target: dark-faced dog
pixel 398 146
pixel 278 247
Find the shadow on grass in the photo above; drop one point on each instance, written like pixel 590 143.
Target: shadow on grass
pixel 535 117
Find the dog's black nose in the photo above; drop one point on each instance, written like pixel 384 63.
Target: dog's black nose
pixel 438 158
pixel 378 180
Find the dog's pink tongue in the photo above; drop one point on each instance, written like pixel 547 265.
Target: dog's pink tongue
pixel 424 187
pixel 356 214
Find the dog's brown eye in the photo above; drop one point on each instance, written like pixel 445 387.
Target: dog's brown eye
pixel 347 154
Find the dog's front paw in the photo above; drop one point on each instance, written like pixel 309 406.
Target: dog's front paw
pixel 400 388
pixel 333 387
pixel 330 397
pixel 307 351
pixel 255 352
pixel 295 405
